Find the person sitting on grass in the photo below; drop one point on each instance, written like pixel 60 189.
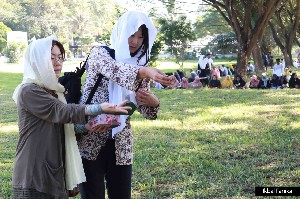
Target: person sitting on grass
pixel 287 73
pixel 215 71
pixel 238 82
pixel 214 82
pixel 264 82
pixel 196 83
pixel 227 82
pixel 184 83
pixel 294 81
pixel 254 82
pixel 284 82
pixel 275 82
pixel 192 75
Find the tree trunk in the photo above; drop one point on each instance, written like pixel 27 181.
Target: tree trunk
pixel 242 61
pixel 287 24
pixel 287 57
pixel 257 58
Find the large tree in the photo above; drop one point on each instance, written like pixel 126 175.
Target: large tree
pixel 177 34
pixel 224 43
pixel 284 27
pixel 211 23
pixel 42 18
pixel 11 14
pixel 248 29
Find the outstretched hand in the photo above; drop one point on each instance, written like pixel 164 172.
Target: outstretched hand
pixel 157 75
pixel 115 109
pixel 147 98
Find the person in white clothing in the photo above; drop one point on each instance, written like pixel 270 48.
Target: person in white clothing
pixel 209 60
pixel 278 68
pixel 204 60
pixel 250 67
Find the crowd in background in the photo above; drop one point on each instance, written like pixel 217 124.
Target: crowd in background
pixel 225 77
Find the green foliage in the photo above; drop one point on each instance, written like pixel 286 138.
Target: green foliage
pixel 3 34
pixel 104 38
pixel 65 19
pixel 211 23
pixel 224 43
pixel 15 51
pixel 156 48
pixel 177 34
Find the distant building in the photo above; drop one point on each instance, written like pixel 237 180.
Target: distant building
pixel 17 36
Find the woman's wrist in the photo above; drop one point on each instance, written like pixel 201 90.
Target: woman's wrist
pixel 93 109
pixel 142 73
pixel 156 104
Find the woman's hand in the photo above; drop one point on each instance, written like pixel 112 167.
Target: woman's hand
pixel 144 97
pixel 157 75
pixel 98 128
pixel 113 109
pixel 109 108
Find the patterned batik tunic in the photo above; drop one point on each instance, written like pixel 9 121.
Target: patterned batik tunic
pixel 125 75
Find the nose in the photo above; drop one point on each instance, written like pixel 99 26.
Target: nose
pixel 134 40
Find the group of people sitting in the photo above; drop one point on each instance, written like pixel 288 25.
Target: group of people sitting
pixel 282 77
pixel 275 82
pixel 214 80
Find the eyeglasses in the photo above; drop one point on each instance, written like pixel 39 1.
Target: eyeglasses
pixel 58 59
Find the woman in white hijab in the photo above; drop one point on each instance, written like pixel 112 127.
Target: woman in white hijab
pixel 108 156
pixel 48 162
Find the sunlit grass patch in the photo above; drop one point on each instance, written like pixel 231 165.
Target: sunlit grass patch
pixel 8 128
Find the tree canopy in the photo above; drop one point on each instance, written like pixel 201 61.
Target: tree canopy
pixel 177 35
pixel 256 24
pixel 3 30
pixel 67 19
pixel 248 20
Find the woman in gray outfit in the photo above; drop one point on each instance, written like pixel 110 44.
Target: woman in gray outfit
pixel 47 162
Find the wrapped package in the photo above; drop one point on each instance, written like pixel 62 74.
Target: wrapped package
pixel 108 119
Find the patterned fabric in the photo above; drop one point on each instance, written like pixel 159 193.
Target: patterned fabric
pixel 125 75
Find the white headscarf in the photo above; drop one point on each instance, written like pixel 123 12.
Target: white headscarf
pixel 38 66
pixel 126 26
pixel 38 69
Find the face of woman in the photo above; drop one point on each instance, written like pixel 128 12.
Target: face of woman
pixel 135 41
pixel 57 60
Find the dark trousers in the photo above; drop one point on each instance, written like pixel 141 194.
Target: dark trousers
pixel 118 177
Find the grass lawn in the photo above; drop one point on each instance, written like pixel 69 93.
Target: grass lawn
pixel 204 144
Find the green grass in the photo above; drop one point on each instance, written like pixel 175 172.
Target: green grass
pixel 218 144
pixel 205 143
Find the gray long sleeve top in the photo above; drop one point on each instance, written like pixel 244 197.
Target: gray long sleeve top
pixel 39 160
